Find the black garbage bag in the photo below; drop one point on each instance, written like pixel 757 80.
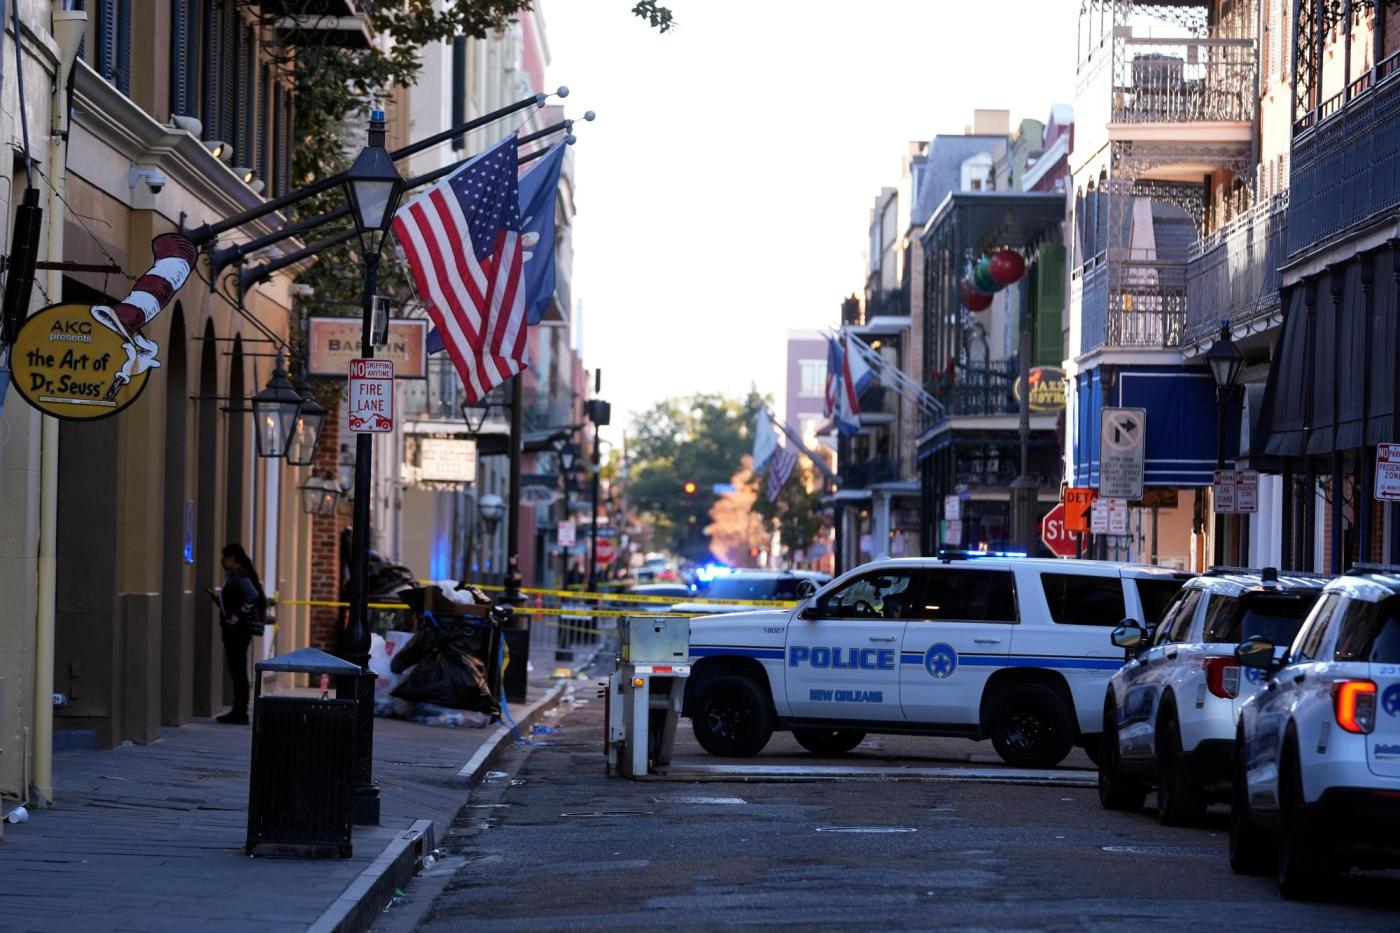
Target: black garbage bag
pixel 447 667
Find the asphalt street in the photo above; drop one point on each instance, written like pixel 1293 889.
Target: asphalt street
pixel 550 842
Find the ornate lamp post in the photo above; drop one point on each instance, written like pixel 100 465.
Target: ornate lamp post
pixel 372 188
pixel 1226 362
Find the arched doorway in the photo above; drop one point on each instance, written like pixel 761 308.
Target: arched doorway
pixel 177 537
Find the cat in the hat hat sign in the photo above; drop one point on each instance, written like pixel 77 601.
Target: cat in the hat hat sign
pixel 84 362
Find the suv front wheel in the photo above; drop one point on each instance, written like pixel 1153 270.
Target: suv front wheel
pixel 733 717
pixel 1031 726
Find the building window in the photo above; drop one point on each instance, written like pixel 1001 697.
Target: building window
pixel 114 42
pixel 184 58
pixel 813 378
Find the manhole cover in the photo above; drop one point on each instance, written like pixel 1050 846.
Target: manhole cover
pixel 867 829
pixel 1162 850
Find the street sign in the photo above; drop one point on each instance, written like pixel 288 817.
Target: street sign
pixel 1078 502
pixel 1117 516
pixel 370 401
pixel 953 533
pixel 1122 448
pixel 607 551
pixel 1055 535
pixel 1236 491
pixel 1098 517
pixel 952 508
pixel 568 533
pixel 1388 472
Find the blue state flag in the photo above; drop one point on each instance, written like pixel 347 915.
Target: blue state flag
pixel 537 192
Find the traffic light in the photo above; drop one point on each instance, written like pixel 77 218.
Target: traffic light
pixel 689 487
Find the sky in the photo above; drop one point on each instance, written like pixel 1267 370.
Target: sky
pixel 724 191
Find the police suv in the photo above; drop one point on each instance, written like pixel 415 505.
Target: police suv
pixel 1006 648
pixel 1317 783
pixel 1169 714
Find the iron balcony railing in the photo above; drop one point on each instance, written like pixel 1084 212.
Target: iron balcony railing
pixel 866 473
pixel 1132 303
pixel 1184 80
pixel 985 390
pixel 1233 274
pixel 1346 160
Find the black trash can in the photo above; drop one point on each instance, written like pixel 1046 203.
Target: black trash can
pixel 302 778
pixel 517 672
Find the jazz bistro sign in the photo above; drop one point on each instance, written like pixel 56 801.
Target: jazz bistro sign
pixel 332 342
pixel 65 364
pixel 1047 388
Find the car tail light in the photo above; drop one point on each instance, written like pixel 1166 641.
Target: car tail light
pixel 1223 677
pixel 1354 702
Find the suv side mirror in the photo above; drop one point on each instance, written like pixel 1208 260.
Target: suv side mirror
pixel 1130 635
pixel 805 588
pixel 809 613
pixel 1257 653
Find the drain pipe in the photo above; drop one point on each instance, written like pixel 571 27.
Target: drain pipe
pixel 68 27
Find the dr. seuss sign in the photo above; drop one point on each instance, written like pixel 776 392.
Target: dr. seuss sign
pixel 83 362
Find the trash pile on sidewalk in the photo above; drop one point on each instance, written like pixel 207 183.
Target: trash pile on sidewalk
pixel 447 672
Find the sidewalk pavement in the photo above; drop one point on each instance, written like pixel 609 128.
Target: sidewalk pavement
pixel 150 837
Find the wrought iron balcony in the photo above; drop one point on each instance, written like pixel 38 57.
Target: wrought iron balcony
pixel 866 473
pixel 1184 80
pixel 1346 160
pixel 1233 273
pixel 1132 303
pixel 985 390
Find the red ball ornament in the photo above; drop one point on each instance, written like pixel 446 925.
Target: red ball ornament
pixel 972 299
pixel 1006 266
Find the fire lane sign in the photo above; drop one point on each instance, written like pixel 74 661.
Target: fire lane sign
pixel 370 402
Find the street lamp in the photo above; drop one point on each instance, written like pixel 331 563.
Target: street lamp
pixel 1226 362
pixel 319 495
pixel 306 430
pixel 491 508
pixel 567 456
pixel 475 414
pixel 372 188
pixel 275 412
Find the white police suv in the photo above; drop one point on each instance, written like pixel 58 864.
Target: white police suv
pixel 1169 714
pixel 1317 785
pixel 1006 648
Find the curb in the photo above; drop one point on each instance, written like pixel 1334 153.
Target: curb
pixel 778 774
pixel 358 906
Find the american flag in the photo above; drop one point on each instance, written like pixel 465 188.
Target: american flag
pixel 462 241
pixel 779 469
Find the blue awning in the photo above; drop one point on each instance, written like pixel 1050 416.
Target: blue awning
pixel 1181 422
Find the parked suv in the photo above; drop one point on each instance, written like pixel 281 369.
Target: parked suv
pixel 1011 649
pixel 1317 783
pixel 1169 714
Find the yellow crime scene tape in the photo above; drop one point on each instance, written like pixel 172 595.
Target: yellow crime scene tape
pixel 522 610
pixel 636 597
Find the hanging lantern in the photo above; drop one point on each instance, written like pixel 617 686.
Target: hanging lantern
pixel 972 299
pixel 982 278
pixel 1006 266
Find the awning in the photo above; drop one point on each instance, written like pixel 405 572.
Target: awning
pixel 1332 380
pixel 988 219
pixel 1181 422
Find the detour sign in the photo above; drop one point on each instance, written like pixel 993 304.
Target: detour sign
pixel 64 363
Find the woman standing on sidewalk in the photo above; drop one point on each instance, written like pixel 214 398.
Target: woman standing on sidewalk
pixel 241 603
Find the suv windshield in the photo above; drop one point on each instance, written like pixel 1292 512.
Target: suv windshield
pixel 746 587
pixel 1275 619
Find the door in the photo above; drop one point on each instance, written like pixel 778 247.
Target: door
pixel 958 635
pixel 1143 677
pixel 843 659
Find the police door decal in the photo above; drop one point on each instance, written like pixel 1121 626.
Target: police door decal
pixel 941 660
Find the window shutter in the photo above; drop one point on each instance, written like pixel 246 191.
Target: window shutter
pixel 228 74
pixel 459 88
pixel 209 27
pixel 180 58
pixel 123 69
pixel 264 112
pixel 107 39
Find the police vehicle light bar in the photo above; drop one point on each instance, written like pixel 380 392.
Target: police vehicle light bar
pixel 969 554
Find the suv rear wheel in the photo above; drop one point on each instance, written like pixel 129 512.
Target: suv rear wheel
pixel 1115 791
pixel 1032 726
pixel 1250 848
pixel 1303 859
pixel 733 717
pixel 1179 802
pixel 828 742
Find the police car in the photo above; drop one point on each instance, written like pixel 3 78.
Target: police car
pixel 1006 648
pixel 1317 783
pixel 1169 714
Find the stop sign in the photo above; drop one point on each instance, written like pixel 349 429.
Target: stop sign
pixel 607 551
pixel 1053 532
